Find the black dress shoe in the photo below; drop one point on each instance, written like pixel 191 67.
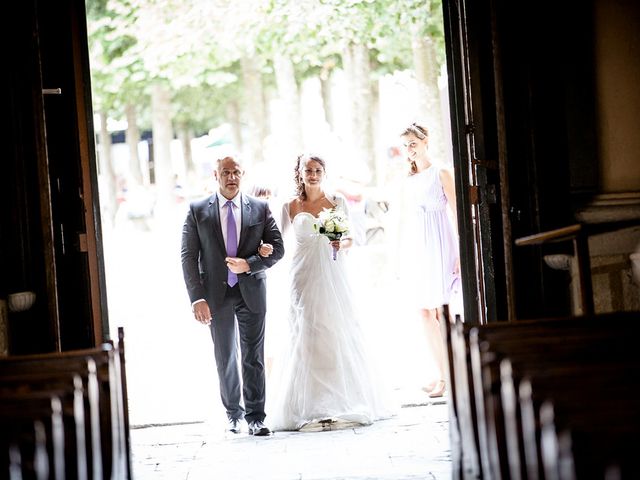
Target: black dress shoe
pixel 259 429
pixel 235 425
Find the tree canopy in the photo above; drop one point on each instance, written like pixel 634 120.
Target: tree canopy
pixel 195 46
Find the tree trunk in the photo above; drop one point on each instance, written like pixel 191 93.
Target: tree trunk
pixel 358 71
pixel 233 115
pixel 327 97
pixel 108 189
pixel 133 138
pixel 185 134
pixel 290 127
pixel 428 96
pixel 162 133
pixel 380 160
pixel 254 110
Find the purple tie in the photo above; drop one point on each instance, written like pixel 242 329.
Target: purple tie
pixel 232 242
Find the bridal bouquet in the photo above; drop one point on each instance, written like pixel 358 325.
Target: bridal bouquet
pixel 333 224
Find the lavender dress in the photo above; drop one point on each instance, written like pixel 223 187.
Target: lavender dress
pixel 432 240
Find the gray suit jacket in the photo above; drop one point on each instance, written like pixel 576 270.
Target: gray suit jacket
pixel 203 252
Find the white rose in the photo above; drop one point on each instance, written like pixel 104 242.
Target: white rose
pixel 330 226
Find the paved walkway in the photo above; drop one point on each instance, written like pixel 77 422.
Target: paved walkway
pixel 412 445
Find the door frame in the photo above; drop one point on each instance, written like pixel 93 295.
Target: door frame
pixel 480 160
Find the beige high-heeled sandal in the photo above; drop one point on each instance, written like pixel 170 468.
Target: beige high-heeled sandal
pixel 438 390
pixel 430 387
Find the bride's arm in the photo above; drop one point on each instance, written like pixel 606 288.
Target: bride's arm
pixel 283 222
pixel 285 217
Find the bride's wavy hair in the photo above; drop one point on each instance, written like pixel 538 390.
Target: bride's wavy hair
pixel 302 159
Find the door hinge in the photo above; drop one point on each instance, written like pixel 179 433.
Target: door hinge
pixel 474 195
pixel 486 163
pixel 82 242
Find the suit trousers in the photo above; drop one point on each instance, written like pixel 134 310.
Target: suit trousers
pixel 232 326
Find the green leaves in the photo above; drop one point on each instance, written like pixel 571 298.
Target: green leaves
pixel 196 45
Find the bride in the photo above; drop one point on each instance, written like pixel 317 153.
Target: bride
pixel 324 380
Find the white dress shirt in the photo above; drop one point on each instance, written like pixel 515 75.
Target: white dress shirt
pixel 224 213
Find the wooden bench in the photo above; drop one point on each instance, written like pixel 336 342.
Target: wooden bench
pixel 32 425
pixel 91 384
pixel 463 431
pixel 540 356
pixel 595 419
pixel 447 324
pixel 489 363
pixel 549 351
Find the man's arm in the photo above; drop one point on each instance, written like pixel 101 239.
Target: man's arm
pixel 272 236
pixel 190 252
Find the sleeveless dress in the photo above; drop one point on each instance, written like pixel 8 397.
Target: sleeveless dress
pixel 323 375
pixel 431 240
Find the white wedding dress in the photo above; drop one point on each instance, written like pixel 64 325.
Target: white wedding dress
pixel 324 375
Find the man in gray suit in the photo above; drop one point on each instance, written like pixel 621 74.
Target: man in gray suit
pixel 226 281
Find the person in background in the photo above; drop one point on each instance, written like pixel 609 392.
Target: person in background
pixel 275 317
pixel 261 191
pixel 435 265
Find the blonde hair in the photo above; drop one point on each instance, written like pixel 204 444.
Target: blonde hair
pixel 418 130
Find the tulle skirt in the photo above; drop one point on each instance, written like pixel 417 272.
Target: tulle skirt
pixel 324 374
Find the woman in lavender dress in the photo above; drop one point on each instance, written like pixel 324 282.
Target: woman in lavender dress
pixel 434 241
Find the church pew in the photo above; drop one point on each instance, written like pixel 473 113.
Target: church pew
pixel 577 388
pixel 446 327
pixel 560 342
pixel 69 390
pixel 123 407
pixel 583 349
pixel 103 382
pixel 599 437
pixel 33 425
pixel 93 367
pixel 461 395
pixel 497 415
pixel 469 399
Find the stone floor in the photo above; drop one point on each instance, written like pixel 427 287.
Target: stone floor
pixel 414 444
